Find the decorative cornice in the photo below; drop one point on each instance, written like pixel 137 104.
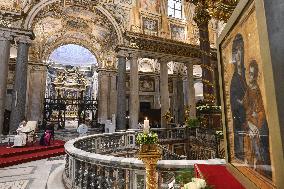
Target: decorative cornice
pixel 15 32
pixel 23 39
pixel 121 53
pixel 5 36
pixel 161 45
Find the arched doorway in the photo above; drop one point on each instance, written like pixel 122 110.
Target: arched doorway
pixel 71 87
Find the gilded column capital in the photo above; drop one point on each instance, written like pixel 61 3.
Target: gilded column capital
pixel 23 39
pixel 202 15
pixel 5 36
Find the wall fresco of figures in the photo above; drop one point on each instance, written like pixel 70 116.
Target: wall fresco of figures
pixel 245 100
pixel 147 84
pixel 177 32
pixel 151 5
pixel 150 26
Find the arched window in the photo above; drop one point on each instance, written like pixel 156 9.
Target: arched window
pixel 175 8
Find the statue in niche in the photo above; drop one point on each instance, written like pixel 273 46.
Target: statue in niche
pixel 237 92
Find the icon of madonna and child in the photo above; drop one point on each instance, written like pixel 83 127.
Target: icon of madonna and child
pixel 251 133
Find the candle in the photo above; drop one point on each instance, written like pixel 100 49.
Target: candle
pixel 146 126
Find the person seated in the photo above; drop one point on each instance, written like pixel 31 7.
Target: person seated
pixel 47 135
pixel 30 130
pixel 21 137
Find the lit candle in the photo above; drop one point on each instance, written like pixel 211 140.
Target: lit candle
pixel 146 126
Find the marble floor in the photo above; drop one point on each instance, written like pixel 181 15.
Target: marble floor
pixel 41 174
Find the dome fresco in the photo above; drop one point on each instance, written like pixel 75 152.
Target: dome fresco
pixel 72 55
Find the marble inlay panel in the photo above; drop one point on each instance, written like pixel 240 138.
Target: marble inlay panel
pixel 18 184
pixel 9 172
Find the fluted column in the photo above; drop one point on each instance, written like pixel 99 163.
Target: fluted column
pixel 191 91
pixel 164 91
pixel 4 60
pixel 121 91
pixel 134 92
pixel 20 87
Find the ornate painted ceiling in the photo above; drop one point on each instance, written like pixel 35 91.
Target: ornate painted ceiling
pixel 98 25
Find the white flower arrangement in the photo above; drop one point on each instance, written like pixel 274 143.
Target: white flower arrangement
pixel 196 183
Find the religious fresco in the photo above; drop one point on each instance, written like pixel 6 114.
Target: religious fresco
pixel 245 100
pixel 151 5
pixel 177 32
pixel 147 84
pixel 150 26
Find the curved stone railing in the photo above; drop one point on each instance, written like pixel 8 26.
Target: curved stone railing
pixel 105 161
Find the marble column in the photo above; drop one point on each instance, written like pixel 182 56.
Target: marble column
pixel 20 87
pixel 4 60
pixel 164 91
pixel 191 90
pixel 121 92
pixel 134 92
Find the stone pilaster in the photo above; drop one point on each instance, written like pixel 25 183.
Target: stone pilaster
pixel 20 87
pixel 36 90
pixel 174 100
pixel 164 91
pixel 121 91
pixel 4 60
pixel 113 94
pixel 157 93
pixel 191 91
pixel 180 100
pixel 102 97
pixel 134 92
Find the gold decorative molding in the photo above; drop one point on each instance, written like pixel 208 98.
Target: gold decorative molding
pixel 161 45
pixel 150 154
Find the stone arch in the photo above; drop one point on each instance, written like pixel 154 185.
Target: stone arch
pixel 27 24
pixel 67 41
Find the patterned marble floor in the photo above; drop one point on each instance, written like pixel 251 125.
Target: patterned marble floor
pixel 33 175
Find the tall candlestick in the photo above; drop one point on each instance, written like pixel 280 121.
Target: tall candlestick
pixel 146 126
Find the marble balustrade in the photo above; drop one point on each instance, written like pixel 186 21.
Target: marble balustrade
pixel 90 162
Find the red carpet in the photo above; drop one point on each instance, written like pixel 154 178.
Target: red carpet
pixel 13 156
pixel 217 176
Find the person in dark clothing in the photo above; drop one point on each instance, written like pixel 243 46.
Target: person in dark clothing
pixel 47 135
pixel 237 91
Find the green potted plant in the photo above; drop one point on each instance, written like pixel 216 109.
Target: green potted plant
pixel 192 122
pixel 147 141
